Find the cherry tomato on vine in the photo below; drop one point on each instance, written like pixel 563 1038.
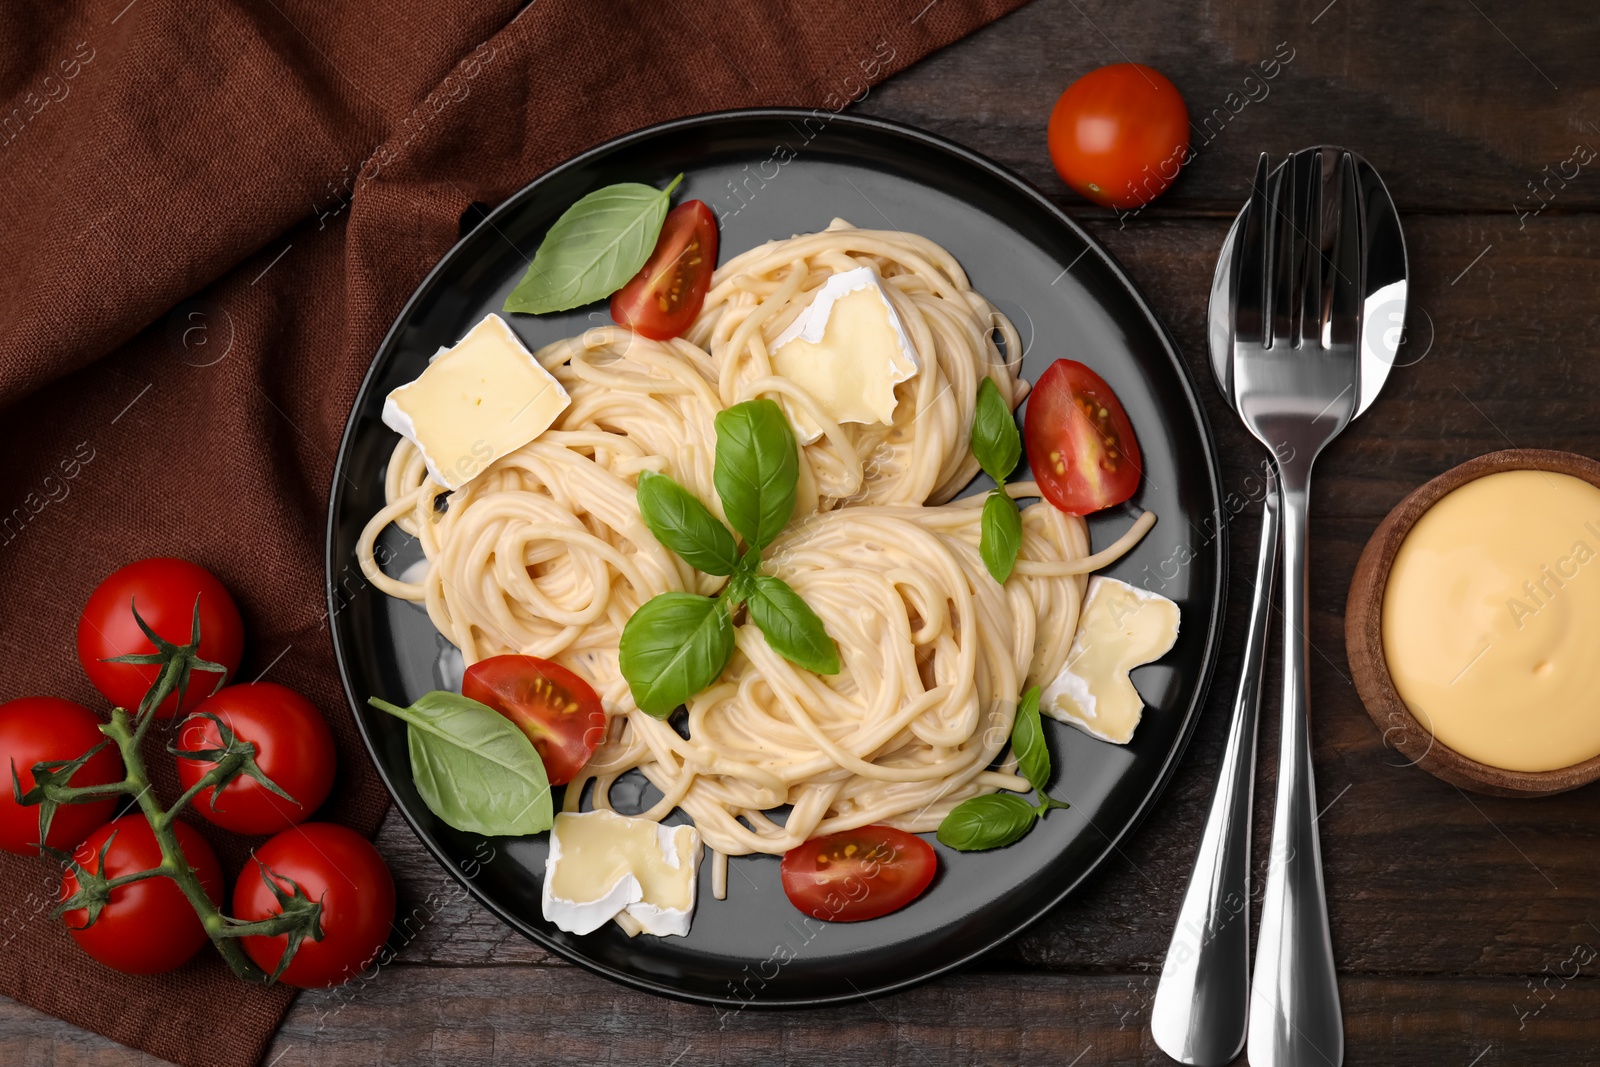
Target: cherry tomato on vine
pixel 164 590
pixel 1118 135
pixel 342 869
pixel 1081 447
pixel 558 711
pixel 294 748
pixel 858 874
pixel 36 729
pixel 149 926
pixel 665 296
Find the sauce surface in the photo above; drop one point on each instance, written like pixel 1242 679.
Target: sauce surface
pixel 1491 620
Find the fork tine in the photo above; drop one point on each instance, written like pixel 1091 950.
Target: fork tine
pixel 1349 261
pixel 1308 303
pixel 1250 273
pixel 1285 252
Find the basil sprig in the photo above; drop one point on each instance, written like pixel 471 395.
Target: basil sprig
pixel 473 767
pixel 677 644
pixel 594 248
pixel 1000 819
pixel 998 447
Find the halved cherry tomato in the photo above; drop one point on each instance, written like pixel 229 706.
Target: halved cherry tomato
pixel 34 730
pixel 665 296
pixel 294 748
pixel 1119 135
pixel 1081 447
pixel 165 591
pixel 558 711
pixel 858 874
pixel 148 926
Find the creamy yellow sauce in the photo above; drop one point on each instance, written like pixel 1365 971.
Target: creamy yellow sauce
pixel 1491 620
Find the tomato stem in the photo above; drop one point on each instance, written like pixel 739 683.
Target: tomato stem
pixel 298 917
pixel 174 864
pixel 138 876
pixel 223 771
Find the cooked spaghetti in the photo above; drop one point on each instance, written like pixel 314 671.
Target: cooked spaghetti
pixel 545 553
pixel 960 337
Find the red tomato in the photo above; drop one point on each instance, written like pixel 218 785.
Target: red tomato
pixel 165 591
pixel 294 748
pixel 558 711
pixel 337 866
pixel 665 296
pixel 149 926
pixel 36 729
pixel 1081 447
pixel 858 874
pixel 1119 134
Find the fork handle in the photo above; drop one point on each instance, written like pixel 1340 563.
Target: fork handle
pixel 1204 996
pixel 1295 1020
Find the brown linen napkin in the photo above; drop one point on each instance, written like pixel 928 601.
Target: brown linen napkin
pixel 211 215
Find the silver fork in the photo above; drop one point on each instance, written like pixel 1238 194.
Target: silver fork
pixel 1296 384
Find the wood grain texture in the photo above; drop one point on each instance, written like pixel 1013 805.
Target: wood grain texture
pixel 1465 927
pixel 475 1017
pixel 1459 106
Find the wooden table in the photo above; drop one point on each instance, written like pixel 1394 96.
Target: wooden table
pixel 1465 927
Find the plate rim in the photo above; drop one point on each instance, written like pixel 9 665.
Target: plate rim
pixel 1015 925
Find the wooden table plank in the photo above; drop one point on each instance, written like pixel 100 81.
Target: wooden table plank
pixel 474 1017
pixel 551 1016
pixel 1457 111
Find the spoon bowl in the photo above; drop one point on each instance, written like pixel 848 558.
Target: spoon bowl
pixel 1384 287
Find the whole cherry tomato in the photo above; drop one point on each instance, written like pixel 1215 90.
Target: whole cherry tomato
pixel 165 592
pixel 294 748
pixel 39 729
pixel 1119 134
pixel 342 869
pixel 148 926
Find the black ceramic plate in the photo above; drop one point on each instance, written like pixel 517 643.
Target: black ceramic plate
pixel 770 174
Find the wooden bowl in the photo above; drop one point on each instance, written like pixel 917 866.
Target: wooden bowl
pixel 1363 636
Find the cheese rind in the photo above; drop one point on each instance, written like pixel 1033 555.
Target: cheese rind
pixel 849 350
pixel 477 401
pixel 1120 627
pixel 601 864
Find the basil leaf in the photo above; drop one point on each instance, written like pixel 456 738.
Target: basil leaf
pixel 791 627
pixel 995 441
pixel 757 469
pixel 675 645
pixel 473 767
pixel 1001 537
pixel 992 821
pixel 594 248
pixel 1027 742
pixel 685 525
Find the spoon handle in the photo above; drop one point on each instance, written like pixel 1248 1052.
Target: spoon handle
pixel 1202 1003
pixel 1295 1020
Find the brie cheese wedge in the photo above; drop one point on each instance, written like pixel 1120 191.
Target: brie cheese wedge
pixel 475 402
pixel 1120 627
pixel 601 864
pixel 848 349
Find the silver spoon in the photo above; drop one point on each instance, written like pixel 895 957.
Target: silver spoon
pixel 1202 1004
